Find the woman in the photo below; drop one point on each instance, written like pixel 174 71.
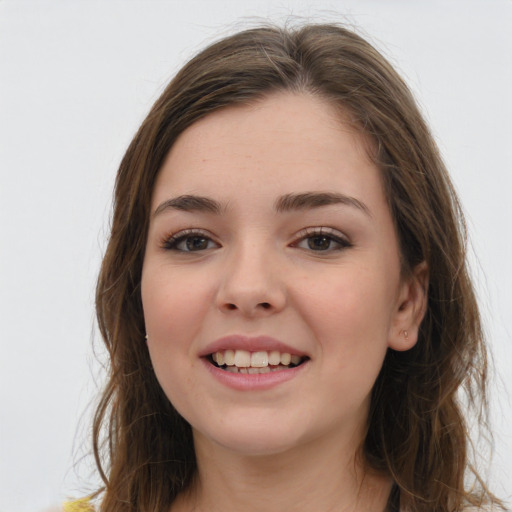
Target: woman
pixel 284 296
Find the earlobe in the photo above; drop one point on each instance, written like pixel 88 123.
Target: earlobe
pixel 410 309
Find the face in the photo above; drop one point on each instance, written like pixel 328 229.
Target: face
pixel 271 282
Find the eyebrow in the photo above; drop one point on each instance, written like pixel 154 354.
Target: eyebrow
pixel 285 203
pixel 190 203
pixel 307 200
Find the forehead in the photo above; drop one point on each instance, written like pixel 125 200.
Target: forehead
pixel 285 142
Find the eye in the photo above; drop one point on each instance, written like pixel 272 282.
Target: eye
pixel 322 240
pixel 189 241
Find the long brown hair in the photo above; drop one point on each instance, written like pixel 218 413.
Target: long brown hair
pixel 416 428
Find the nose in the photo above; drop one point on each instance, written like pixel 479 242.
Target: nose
pixel 251 283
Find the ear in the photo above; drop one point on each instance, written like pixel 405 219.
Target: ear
pixel 410 309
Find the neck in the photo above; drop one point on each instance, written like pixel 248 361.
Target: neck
pixel 316 477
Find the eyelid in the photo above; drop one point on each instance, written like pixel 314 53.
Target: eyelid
pixel 333 233
pixel 170 241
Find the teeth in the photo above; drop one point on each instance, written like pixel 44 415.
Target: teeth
pixel 229 357
pixel 238 360
pixel 242 358
pixel 266 369
pixel 259 359
pixel 274 358
pixel 295 359
pixel 286 358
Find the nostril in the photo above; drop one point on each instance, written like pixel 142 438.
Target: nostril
pixel 260 306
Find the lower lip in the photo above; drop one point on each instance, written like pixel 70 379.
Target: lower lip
pixel 253 381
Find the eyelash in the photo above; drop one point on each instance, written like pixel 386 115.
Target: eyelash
pixel 172 242
pixel 330 234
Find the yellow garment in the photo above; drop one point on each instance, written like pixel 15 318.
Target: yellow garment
pixel 82 505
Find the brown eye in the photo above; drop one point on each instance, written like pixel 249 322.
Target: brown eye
pixel 325 240
pixel 195 243
pixel 320 243
pixel 189 241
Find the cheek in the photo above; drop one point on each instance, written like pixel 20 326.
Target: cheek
pixel 173 305
pixel 355 299
pixel 170 299
pixel 350 316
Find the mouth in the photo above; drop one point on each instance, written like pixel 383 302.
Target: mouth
pixel 246 362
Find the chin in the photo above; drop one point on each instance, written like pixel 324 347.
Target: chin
pixel 254 439
pixel 257 447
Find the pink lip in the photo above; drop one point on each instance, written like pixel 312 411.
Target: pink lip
pixel 255 381
pixel 252 344
pixel 248 381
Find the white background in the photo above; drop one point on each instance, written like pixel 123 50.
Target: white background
pixel 77 78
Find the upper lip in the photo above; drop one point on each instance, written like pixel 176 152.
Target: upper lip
pixel 249 343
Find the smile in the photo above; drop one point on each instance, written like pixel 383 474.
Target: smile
pixel 246 362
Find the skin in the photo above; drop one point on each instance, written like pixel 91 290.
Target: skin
pixel 338 297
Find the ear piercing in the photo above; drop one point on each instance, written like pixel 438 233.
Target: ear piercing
pixel 406 334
